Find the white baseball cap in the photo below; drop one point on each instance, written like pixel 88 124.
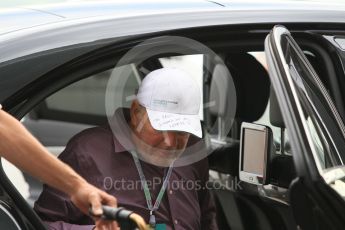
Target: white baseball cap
pixel 172 100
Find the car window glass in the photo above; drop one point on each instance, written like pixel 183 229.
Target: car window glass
pixel 82 96
pixel 324 131
pixel 320 152
pixel 87 96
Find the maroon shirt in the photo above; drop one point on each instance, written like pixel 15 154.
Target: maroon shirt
pixel 98 157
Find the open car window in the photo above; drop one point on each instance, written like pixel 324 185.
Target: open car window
pixel 81 105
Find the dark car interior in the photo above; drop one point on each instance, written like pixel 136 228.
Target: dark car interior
pixel 241 205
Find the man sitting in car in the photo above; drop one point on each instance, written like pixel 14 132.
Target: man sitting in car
pixel 135 162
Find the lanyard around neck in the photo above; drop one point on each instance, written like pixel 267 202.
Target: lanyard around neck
pixel 151 207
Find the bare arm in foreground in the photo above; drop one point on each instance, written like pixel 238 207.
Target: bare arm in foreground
pixel 19 147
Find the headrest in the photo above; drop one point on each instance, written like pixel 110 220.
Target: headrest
pixel 252 85
pixel 276 118
pixel 220 92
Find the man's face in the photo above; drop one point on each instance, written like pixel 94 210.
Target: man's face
pixel 157 147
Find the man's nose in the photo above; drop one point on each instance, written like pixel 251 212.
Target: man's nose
pixel 169 138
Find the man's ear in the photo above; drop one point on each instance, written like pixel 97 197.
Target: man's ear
pixel 135 113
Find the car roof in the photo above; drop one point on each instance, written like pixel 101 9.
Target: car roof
pixel 14 19
pixel 64 24
pixel 29 16
pixel 69 36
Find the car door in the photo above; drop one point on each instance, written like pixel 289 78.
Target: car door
pixel 316 134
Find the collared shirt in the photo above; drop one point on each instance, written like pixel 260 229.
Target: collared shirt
pixel 99 157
